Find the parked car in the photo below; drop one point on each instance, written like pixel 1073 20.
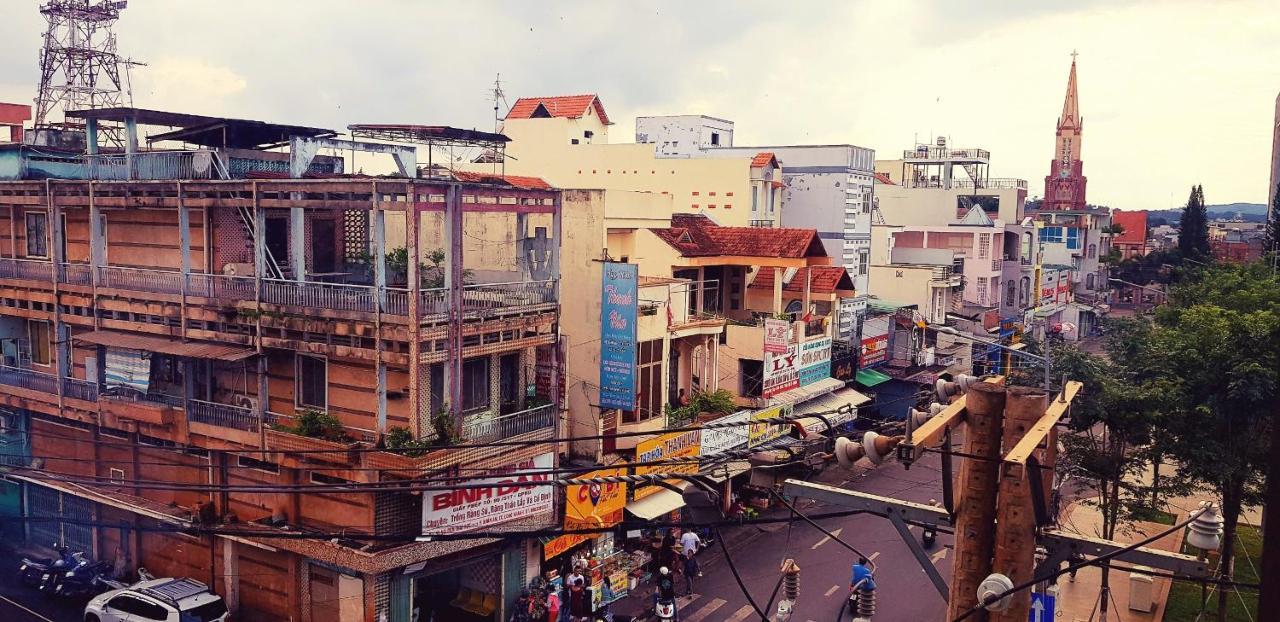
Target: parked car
pixel 161 600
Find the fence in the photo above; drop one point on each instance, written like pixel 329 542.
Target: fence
pixel 485 427
pixel 488 298
pixel 29 379
pixel 139 279
pixel 222 415
pixel 76 388
pixel 198 164
pixel 35 269
pixel 320 295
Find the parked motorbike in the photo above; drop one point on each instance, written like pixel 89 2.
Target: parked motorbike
pixel 665 610
pixel 84 581
pixel 31 572
pixel 53 575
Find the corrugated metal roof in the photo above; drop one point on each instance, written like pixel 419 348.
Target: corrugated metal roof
pixel 163 345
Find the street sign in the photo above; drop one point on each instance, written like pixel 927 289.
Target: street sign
pixel 1041 608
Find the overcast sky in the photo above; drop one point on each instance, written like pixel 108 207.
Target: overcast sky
pixel 1173 93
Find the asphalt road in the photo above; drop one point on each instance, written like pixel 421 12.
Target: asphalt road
pixel 904 591
pixel 19 603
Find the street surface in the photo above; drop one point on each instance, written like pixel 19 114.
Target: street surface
pixel 19 603
pixel 905 594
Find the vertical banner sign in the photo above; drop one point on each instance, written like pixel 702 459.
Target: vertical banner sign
pixel 777 335
pixel 618 336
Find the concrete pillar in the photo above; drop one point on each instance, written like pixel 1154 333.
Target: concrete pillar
pixel 976 508
pixel 522 246
pixel 808 283
pixel 1015 518
pixel 454 218
pixel 184 239
pixel 777 289
pixel 417 404
pixel 131 144
pixel 297 243
pixel 377 248
pixel 91 136
pixel 230 575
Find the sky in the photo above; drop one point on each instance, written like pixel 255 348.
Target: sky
pixel 1173 92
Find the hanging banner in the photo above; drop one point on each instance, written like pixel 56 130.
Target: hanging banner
pixel 720 440
pixel 777 335
pixel 666 447
pixel 875 350
pixel 467 509
pixel 618 336
pixel 761 433
pixel 590 506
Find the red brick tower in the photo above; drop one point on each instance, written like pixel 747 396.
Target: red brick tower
pixel 1064 185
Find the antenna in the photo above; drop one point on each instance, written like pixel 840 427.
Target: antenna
pixel 499 102
pixel 79 66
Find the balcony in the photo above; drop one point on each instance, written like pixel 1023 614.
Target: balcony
pixel 29 379
pixel 766 223
pixel 197 164
pixel 222 415
pixel 991 183
pixel 31 269
pixel 487 427
pixel 76 388
pixel 929 152
pixel 487 299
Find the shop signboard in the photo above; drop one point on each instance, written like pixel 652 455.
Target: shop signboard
pixel 777 335
pixel 562 543
pixel 720 440
pixel 674 445
pixel 618 336
pixel 761 433
pixel 844 365
pixel 815 360
pixel 875 350
pixel 803 364
pixel 591 506
pixel 467 509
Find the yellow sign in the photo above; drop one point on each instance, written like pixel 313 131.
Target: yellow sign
pixel 761 433
pixel 560 544
pixel 665 447
pixel 589 506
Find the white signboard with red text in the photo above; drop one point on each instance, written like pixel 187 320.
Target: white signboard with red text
pixel 468 509
pixel 777 336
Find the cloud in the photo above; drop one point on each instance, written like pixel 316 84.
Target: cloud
pixel 188 84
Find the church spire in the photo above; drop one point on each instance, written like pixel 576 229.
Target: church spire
pixel 1071 106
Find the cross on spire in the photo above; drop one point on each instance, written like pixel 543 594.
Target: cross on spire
pixel 1074 54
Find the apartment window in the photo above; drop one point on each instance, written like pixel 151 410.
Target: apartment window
pixel 1024 288
pixel 864 262
pixel 475 384
pixel 38 332
pixel 253 463
pixel 751 377
pixel 715 139
pixel 984 245
pixel 982 291
pixel 1093 252
pixel 509 380
pixel 1089 281
pixel 1052 235
pixel 311 385
pixel 37 243
pixel 648 382
pixel 1073 238
pixel 1010 289
pixel 328 480
pixel 755 201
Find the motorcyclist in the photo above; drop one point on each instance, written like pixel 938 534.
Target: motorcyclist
pixel 665 589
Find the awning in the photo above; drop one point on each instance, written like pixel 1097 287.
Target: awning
pixel 828 402
pixel 1050 310
pixel 870 377
pixel 728 470
pixel 656 504
pixel 807 392
pixel 163 345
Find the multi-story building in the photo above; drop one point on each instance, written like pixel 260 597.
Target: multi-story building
pixel 216 368
pixel 1131 241
pixel 12 116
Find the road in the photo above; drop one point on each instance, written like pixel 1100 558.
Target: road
pixel 904 592
pixel 19 603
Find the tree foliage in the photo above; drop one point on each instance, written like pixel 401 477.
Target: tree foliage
pixel 1271 243
pixel 1193 232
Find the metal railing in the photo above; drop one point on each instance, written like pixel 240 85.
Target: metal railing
pixel 197 164
pixel 993 183
pixel 222 415
pixel 77 274
pixel 126 394
pixel 220 286
pixel 29 379
pixel 486 426
pixel 140 279
pixel 80 389
pixel 928 152
pixel 35 269
pixel 487 298
pixel 397 301
pixel 433 302
pixel 763 223
pixel 320 295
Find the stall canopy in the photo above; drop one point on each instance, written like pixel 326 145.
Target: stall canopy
pixel 807 392
pixel 827 403
pixel 174 347
pixel 657 504
pixel 870 377
pixel 728 470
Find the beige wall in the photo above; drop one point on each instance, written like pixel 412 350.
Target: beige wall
pixel 910 285
pixel 937 206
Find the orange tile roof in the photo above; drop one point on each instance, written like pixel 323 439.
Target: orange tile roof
pixel 566 106
pixel 515 181
pixel 826 280
pixel 695 235
pixel 883 178
pixel 764 158
pixel 1134 224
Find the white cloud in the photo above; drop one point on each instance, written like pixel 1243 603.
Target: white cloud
pixel 187 84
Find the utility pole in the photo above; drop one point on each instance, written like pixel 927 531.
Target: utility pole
pixel 1015 519
pixel 977 509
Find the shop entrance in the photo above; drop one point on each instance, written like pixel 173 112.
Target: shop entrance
pixel 466 593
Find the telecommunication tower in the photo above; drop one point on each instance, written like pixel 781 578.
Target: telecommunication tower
pixel 79 66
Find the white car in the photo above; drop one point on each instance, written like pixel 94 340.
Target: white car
pixel 158 600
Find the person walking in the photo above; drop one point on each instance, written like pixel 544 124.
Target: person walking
pixel 690 544
pixel 691 570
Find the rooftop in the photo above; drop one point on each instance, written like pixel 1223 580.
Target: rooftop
pixel 763 159
pixel 203 130
pixel 514 181
pixel 825 280
pixel 562 106
pixel 1134 225
pixel 695 235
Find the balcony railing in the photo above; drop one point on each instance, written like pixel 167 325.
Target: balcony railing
pixel 199 164
pixel 320 295
pixel 492 298
pixel 29 379
pixel 77 273
pixel 131 395
pixel 928 152
pixel 433 302
pixel 220 286
pixel 34 269
pixel 140 279
pixel 222 415
pixel 994 183
pixel 485 426
pixel 80 389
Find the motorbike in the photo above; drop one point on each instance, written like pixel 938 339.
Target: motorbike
pixel 665 611
pixel 53 575
pixel 84 581
pixel 31 572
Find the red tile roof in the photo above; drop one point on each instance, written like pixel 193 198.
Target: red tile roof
pixel 1134 225
pixel 826 280
pixel 883 178
pixel 764 158
pixel 695 235
pixel 566 106
pixel 515 181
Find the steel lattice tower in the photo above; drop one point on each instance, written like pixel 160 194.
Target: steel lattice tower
pixel 79 66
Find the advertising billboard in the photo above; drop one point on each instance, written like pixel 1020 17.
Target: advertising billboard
pixel 467 509
pixel 618 305
pixel 666 447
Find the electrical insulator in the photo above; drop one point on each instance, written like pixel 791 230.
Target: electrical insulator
pixel 866 603
pixel 791 585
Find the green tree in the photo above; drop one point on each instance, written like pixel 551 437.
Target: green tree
pixel 1219 342
pixel 1193 232
pixel 1271 243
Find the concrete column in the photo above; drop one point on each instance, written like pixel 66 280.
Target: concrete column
pixel 808 283
pixel 381 395
pixel 131 144
pixel 522 246
pixel 184 239
pixel 377 222
pixel 91 136
pixel 698 303
pixel 976 509
pixel 454 285
pixel 777 289
pixel 416 403
pixel 1015 519
pixel 230 575
pixel 298 243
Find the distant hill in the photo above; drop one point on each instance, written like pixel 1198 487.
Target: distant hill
pixel 1249 212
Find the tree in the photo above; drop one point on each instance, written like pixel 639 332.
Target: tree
pixel 1271 243
pixel 1219 342
pixel 1193 232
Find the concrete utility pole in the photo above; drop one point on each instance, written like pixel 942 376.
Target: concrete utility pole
pixel 1015 518
pixel 977 483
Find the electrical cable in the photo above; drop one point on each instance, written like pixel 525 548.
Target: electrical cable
pixel 1073 567
pixel 823 529
pixel 737 577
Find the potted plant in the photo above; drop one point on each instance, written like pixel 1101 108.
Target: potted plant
pixel 311 431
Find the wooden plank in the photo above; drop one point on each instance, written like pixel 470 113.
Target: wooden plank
pixel 1057 408
pixel 931 432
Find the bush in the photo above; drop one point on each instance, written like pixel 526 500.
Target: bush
pixel 400 440
pixel 317 424
pixel 719 402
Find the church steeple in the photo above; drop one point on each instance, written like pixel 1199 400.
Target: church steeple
pixel 1071 106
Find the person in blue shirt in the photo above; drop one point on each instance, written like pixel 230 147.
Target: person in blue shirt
pixel 862 573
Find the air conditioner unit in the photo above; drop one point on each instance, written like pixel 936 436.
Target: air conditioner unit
pixel 247 402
